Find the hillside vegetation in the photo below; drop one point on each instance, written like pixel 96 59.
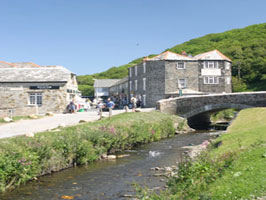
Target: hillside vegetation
pixel 246 47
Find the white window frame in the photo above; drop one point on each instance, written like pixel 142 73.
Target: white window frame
pixel 130 73
pixel 136 85
pixel 144 84
pixel 211 65
pixel 211 80
pixel 144 67
pixel 136 70
pixel 184 65
pixel 182 84
pixel 130 85
pixel 35 98
pixel 144 99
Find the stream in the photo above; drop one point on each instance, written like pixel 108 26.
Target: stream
pixel 110 179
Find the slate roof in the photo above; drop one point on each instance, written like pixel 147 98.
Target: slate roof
pixel 212 55
pixel 4 64
pixel 168 55
pixel 34 74
pixel 105 83
pixel 123 80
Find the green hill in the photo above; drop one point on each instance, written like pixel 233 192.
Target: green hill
pixel 246 47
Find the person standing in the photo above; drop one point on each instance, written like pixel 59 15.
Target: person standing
pixel 110 105
pixel 134 103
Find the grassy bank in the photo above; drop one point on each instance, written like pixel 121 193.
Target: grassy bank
pixel 234 170
pixel 24 158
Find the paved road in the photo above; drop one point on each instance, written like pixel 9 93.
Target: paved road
pixel 39 125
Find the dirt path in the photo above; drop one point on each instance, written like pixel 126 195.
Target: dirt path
pixel 38 125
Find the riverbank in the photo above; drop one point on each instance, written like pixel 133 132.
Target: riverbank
pixel 232 168
pixel 24 158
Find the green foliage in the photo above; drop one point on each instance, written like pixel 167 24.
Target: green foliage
pixel 23 158
pixel 245 47
pixel 238 85
pixel 224 115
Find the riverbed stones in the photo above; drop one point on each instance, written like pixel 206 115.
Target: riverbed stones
pixel 122 156
pixel 111 157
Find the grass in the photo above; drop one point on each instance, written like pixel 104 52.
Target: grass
pixel 24 158
pixel 235 170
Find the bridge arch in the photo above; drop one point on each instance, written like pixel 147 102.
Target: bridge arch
pixel 200 117
pixel 210 108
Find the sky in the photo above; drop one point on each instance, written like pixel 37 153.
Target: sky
pixel 90 36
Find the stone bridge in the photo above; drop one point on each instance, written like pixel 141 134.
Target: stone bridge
pixel 197 109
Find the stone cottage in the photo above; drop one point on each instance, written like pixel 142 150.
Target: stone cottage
pixel 27 88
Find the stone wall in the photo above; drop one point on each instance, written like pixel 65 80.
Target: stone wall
pixel 11 112
pixel 155 82
pixel 16 96
pixel 189 73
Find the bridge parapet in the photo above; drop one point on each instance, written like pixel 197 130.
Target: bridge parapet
pixel 189 106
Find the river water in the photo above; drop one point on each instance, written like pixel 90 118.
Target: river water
pixel 110 179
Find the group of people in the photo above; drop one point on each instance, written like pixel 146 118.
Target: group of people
pixel 72 107
pixel 108 105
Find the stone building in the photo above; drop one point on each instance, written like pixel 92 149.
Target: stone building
pixel 115 88
pixel 170 74
pixel 27 88
pixel 102 87
pixel 119 90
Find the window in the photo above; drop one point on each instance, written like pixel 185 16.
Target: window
pixel 35 99
pixel 136 71
pixel 144 100
pixel 211 80
pixel 181 83
pixel 136 85
pixel 130 74
pixel 144 67
pixel 211 65
pixel 144 83
pixel 130 85
pixel 180 65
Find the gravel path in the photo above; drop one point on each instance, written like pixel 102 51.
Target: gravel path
pixel 39 125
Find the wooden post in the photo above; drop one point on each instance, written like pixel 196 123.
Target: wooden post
pixel 110 112
pixel 101 113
